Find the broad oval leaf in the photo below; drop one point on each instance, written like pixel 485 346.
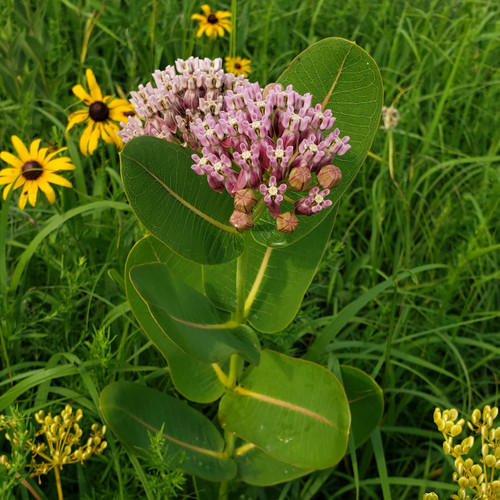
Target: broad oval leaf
pixel 133 412
pixel 175 204
pixel 189 319
pixel 366 402
pixel 258 468
pixel 342 77
pixel 295 410
pixel 194 379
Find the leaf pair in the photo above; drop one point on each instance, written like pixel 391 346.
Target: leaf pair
pixel 291 417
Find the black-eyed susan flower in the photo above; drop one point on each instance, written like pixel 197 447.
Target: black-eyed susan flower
pixel 34 169
pixel 238 66
pixel 103 115
pixel 212 23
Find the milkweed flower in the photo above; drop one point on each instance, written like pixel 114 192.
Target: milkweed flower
pixel 212 23
pixel 267 146
pixel 103 115
pixel 238 66
pixel 34 168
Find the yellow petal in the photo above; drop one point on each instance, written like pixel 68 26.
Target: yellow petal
pixel 221 14
pixel 112 129
pixel 115 103
pixel 23 198
pixel 34 149
pixel 32 188
pixel 199 17
pixel 40 158
pixel 8 175
pixel 82 94
pixel 11 159
pixel 93 139
pixel 77 117
pixel 57 179
pixel 94 89
pixel 84 139
pixel 47 189
pixel 200 31
pixel 104 133
pixel 206 9
pixel 51 155
pixel 20 148
pixel 19 182
pixel 60 164
pixel 6 190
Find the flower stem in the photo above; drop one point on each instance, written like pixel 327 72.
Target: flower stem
pixel 58 483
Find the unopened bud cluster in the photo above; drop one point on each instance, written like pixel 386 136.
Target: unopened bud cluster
pixel 260 145
pixel 62 441
pixel 480 477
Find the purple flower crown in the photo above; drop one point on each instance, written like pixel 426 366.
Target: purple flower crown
pixel 254 143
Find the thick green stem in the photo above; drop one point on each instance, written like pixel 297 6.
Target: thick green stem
pixel 241 266
pixel 232 378
pixel 229 436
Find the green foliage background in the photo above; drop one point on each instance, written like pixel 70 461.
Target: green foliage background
pixel 429 339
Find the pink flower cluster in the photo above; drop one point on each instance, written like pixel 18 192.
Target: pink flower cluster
pixel 256 144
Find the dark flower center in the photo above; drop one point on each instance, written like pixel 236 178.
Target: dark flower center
pixel 212 19
pixel 237 65
pixel 98 111
pixel 32 170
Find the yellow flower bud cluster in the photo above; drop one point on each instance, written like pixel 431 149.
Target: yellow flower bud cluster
pixel 62 434
pixel 481 477
pixel 61 441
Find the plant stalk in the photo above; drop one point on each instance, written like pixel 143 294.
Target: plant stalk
pixel 58 483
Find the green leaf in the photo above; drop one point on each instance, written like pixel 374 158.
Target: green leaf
pixel 276 279
pixel 285 274
pixel 366 402
pixel 294 410
pixel 194 379
pixel 175 204
pixel 132 410
pixel 344 78
pixel 258 468
pixel 189 319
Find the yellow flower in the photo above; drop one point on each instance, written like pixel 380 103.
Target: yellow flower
pixel 238 66
pixel 102 113
pixel 32 170
pixel 212 23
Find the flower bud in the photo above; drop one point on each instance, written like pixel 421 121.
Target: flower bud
pixel 287 222
pixel 329 176
pixel 267 88
pixel 304 206
pixel 241 221
pixel 245 200
pixel 300 178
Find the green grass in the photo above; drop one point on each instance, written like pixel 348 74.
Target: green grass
pixel 431 339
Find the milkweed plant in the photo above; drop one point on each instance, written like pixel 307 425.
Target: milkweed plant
pixel 237 185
